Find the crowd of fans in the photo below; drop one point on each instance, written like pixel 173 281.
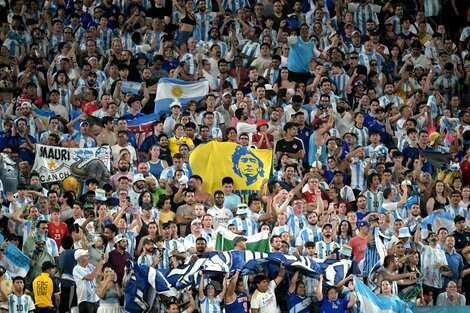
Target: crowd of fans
pixel 356 100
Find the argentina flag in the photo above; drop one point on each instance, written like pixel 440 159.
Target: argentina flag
pixel 437 221
pixel 132 87
pixel 170 89
pixel 369 302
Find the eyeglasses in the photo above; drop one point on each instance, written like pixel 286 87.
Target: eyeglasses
pixel 354 58
pixel 373 64
pixel 243 138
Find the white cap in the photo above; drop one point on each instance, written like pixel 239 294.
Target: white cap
pixel 79 253
pixel 175 103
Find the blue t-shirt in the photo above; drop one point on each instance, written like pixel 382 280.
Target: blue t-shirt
pixel 328 306
pixel 298 304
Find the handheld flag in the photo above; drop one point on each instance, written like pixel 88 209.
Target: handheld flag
pixel 132 87
pixel 258 242
pixel 185 91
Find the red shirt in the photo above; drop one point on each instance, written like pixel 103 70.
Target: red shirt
pixel 88 107
pixel 57 232
pixel 358 246
pixel 257 137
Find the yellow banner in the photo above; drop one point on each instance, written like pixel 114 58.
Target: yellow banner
pixel 215 160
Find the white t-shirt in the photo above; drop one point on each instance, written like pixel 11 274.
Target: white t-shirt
pixel 265 302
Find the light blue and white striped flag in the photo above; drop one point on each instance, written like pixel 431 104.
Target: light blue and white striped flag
pixel 170 89
pixel 437 221
pixel 369 302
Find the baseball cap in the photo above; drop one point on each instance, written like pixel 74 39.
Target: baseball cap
pixel 238 239
pixel 363 223
pixel 433 137
pixel 175 103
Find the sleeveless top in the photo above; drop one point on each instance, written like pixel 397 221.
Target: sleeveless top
pixel 156 169
pixel 239 305
pixel 188 19
pixel 439 205
pixel 110 297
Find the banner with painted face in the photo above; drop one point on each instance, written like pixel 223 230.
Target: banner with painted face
pixel 72 164
pixel 215 160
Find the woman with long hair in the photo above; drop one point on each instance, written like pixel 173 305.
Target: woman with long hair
pixel 344 233
pixel 439 198
pixel 187 22
pixel 109 291
pixel 283 81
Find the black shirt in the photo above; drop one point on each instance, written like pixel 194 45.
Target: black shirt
pixel 461 239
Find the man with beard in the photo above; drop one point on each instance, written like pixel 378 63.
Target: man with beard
pixel 326 247
pixel 433 260
pixel 275 126
pixel 201 246
pixel 219 213
pixel 22 140
pixel 185 213
pixel 389 272
pixel 310 232
pixel 119 256
pixel 38 257
pixel 190 241
pixel 137 188
pixel 123 170
pixel 168 173
pixel 173 245
pixel 389 96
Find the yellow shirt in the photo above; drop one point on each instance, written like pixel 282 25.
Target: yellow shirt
pixel 166 217
pixel 174 144
pixel 43 288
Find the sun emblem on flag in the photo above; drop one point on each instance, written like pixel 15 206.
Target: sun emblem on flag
pixel 52 165
pixel 177 91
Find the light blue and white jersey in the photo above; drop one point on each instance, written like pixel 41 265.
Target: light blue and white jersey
pixel 204 22
pixel 362 135
pixel 65 95
pixel 190 241
pixel 430 257
pixel 432 8
pixel 277 230
pixel 357 167
pixel 395 23
pixel 234 5
pixel 365 58
pixel 364 13
pixel 13 47
pixel 18 304
pixel 311 285
pixel 169 172
pixel 55 40
pixel 250 48
pixel 106 37
pixel 248 225
pixel 210 305
pixel 384 100
pixel 84 141
pixel 454 211
pixel 374 200
pixel 464 34
pixel 312 234
pixel 86 289
pixel 79 32
pixel 324 249
pixel 127 42
pixel 223 46
pixel 340 83
pixel 215 133
pixel 191 61
pixel 274 75
pixel 154 36
pixel 130 236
